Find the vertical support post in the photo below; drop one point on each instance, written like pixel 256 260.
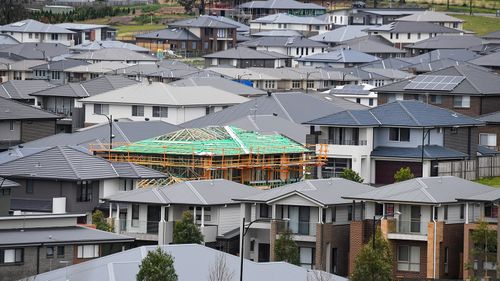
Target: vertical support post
pixel 194 214
pixel 110 210
pixel 202 216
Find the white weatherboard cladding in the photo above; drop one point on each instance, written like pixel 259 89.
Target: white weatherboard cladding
pixel 229 218
pixel 295 200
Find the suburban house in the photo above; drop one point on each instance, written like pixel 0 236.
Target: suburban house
pixel 21 123
pixel 290 46
pixel 342 58
pixel 378 16
pixel 441 42
pixel 20 90
pixel 243 57
pixel 491 61
pixel 149 214
pixel 403 33
pixel 34 244
pixel 489 135
pixel 84 33
pixel 361 94
pixel 157 101
pixel 438 18
pixel 98 45
pixel 18 69
pixel 163 71
pixel 375 76
pixel 115 55
pixel 79 179
pixel 256 9
pixel 372 45
pixel 377 142
pixel 316 214
pixel 338 35
pixel 307 26
pixel 54 71
pixel 90 71
pixel 179 40
pixel 465 88
pixel 429 222
pixel 34 31
pixel 233 86
pixel 214 35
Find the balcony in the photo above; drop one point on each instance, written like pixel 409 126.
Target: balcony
pixel 343 142
pixel 141 230
pixel 415 230
pixel 301 230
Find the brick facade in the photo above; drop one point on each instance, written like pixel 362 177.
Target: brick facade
pixel 356 234
pixel 453 240
pixel 333 237
pixel 422 274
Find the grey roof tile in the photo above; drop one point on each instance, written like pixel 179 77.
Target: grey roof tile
pixel 413 27
pixel 21 89
pixel 491 60
pixel 341 34
pixel 38 51
pixel 287 42
pixel 429 16
pixel 340 56
pixel 246 53
pixel 60 65
pixel 430 152
pixel 97 45
pixel 277 33
pixel 371 45
pixel 203 21
pixel 283 4
pixel 493 117
pixel 169 34
pixel 14 110
pixel 114 54
pixel 288 19
pixel 30 25
pixel 447 42
pixel 221 84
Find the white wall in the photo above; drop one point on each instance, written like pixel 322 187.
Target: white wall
pixel 381 138
pixel 42 37
pixel 229 218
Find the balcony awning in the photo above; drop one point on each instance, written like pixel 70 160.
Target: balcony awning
pixel 430 152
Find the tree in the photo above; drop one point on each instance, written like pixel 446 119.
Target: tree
pixel 100 222
pixel 186 231
pixel 220 271
pixel 484 249
pixel 286 248
pixel 374 264
pixel 351 175
pixel 403 174
pixel 157 265
pixel 187 4
pixel 12 11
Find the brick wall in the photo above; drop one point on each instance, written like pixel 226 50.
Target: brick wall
pixel 432 239
pixel 453 239
pixel 356 234
pixel 272 239
pixel 423 259
pixel 335 237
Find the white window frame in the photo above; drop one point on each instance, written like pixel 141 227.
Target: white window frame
pixel 411 262
pixel 490 137
pixel 88 251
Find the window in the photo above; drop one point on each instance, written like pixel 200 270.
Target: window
pixel 208 31
pixel 60 251
pixel 84 191
pixel 193 45
pixel 295 84
pixel 30 35
pixel 461 101
pixel 490 211
pixel 87 251
pixel 183 45
pixel 419 35
pixel 54 36
pixel 49 252
pixel 445 215
pixel 379 209
pixel 11 256
pixel 488 139
pixel 462 211
pixel 409 258
pixel 445 263
pixel 454 130
pixel 209 109
pixel 269 84
pixel 11 125
pixel 101 109
pixel 409 35
pixel 205 45
pixel 264 210
pixel 455 25
pixel 334 260
pixel 87 36
pixel 160 111
pixel 358 100
pixel 29 186
pixel 436 99
pixel 370 102
pixel 55 75
pixel 349 213
pixel 135 215
pixel 126 184
pixel 399 134
pixel 137 110
pixel 391 35
pixel 310 84
pixel 306 257
pixel 397 35
pixel 36 35
pixel 334 213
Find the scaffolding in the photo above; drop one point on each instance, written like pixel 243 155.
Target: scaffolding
pixel 220 152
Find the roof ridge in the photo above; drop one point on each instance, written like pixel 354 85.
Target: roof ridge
pixel 408 112
pixel 121 133
pixel 113 167
pixel 378 121
pixel 461 72
pixel 423 188
pixel 196 193
pixel 68 161
pixel 282 108
pixel 352 116
pixel 158 194
pixel 7 92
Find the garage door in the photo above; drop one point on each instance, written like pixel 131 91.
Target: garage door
pixel 384 170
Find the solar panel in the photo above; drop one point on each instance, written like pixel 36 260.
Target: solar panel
pixel 434 82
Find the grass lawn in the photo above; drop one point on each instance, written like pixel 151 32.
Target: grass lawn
pixel 127 30
pixel 480 25
pixel 495 181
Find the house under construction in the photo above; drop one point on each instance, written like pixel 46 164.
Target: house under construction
pixel 220 153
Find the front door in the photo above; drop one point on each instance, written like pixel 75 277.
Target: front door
pixel 153 219
pixel 264 252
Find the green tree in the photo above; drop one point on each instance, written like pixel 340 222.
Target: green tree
pixel 374 264
pixel 186 231
pixel 403 174
pixel 187 4
pixel 157 265
pixel 12 11
pixel 100 222
pixel 351 175
pixel 286 248
pixel 484 249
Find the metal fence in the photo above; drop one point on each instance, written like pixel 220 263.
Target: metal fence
pixel 481 167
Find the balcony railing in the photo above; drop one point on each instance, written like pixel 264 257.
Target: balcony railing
pixel 410 227
pixel 139 226
pixel 305 228
pixel 343 142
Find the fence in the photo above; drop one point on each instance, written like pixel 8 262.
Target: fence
pixel 482 167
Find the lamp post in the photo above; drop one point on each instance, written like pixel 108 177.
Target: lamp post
pixel 110 121
pixel 244 232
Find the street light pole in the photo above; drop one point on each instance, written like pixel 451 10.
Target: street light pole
pixel 110 122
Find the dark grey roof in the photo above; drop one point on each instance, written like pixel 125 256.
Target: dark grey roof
pixel 493 117
pixel 492 35
pixel 361 73
pixel 60 65
pixel 246 53
pixel 41 51
pixel 21 89
pixel 432 190
pixel 282 4
pixel 203 21
pixel 454 54
pixel 240 26
pixel 289 106
pixel 7 183
pixel 413 27
pixel 340 56
pixel 287 42
pixel 350 89
pixel 341 34
pixel 491 60
pixel 277 33
pixel 69 163
pixel 169 34
pixel 220 83
pixel 407 113
pixel 57 235
pixel 389 63
pixel 447 42
pixel 200 192
pixel 31 205
pixel 163 69
pixel 430 152
pixel 6 39
pixel 14 110
pixel 433 65
pixel 486 151
pixel 88 88
pixel 477 81
pixel 30 25
pixel 371 45
pixel 289 19
pixel 114 54
pixel 97 45
pixel 429 16
pixel 124 132
pixel 324 191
